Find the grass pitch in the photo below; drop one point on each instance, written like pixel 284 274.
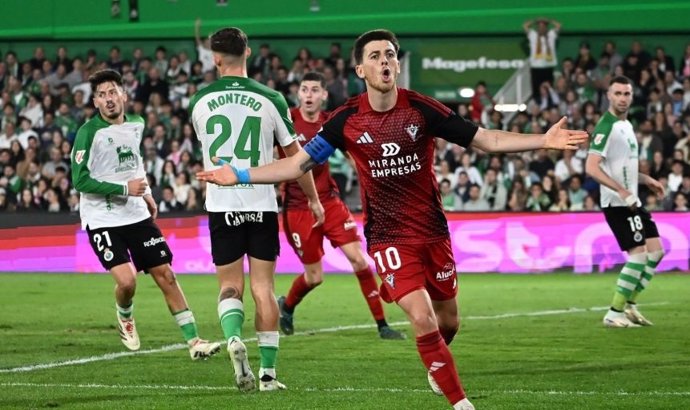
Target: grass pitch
pixel 527 342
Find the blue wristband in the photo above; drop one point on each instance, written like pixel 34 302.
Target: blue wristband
pixel 242 173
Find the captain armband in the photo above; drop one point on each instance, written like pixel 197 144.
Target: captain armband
pixel 319 149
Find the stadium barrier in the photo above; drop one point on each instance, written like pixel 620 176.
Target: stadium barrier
pixel 482 242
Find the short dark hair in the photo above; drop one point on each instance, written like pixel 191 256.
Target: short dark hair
pixel 621 79
pixel 373 35
pixel 315 76
pixel 104 76
pixel 229 40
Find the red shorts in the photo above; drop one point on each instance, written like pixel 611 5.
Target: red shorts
pixel 339 228
pixel 406 268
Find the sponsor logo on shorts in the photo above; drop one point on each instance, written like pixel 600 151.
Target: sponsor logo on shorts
pixel 163 254
pixel 238 218
pixel 153 242
pixel 108 255
pixel 349 225
pixel 390 279
pixel 446 273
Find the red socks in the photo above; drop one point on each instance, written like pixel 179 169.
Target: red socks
pixel 298 290
pixel 370 290
pixel 440 363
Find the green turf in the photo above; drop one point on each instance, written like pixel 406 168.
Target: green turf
pixel 546 361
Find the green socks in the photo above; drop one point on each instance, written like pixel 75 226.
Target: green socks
pixel 231 315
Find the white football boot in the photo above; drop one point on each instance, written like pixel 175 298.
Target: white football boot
pixel 617 319
pixel 243 373
pixel 434 386
pixel 128 333
pixel 635 316
pixel 203 349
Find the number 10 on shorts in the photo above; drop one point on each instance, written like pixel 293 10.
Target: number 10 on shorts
pixel 388 259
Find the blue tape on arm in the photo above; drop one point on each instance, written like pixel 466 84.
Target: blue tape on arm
pixel 319 149
pixel 242 173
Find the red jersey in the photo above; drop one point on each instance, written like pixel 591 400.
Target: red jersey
pixel 327 188
pixel 394 155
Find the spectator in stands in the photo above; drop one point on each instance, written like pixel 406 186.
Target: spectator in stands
pixel 449 199
pixel 590 204
pixel 444 172
pixel 562 202
pixel 568 166
pixel 493 191
pixel 475 203
pixel 518 196
pixel 168 202
pixel 585 61
pixel 542 44
pixel 541 165
pixel 5 205
pixel 537 200
pixel 27 202
pixel 8 135
pixel 468 168
pixel 576 193
pixel 680 202
pixel 480 102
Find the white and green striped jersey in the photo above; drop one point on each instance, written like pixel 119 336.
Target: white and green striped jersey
pixel 615 140
pixel 238 119
pixel 104 158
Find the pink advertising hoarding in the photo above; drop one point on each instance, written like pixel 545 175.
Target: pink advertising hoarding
pixel 482 242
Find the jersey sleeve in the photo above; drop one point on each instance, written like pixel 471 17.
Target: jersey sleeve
pixel 598 142
pixel 284 128
pixel 332 128
pixel 81 175
pixel 444 123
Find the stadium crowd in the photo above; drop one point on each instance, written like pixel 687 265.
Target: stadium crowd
pixel 45 99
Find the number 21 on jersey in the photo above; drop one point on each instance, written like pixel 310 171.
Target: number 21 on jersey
pixel 247 146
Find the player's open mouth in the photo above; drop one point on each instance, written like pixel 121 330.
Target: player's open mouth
pixel 386 74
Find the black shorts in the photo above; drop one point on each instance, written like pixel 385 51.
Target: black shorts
pixel 143 240
pixel 235 234
pixel 631 228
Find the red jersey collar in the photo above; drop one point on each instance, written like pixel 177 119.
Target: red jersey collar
pixel 402 102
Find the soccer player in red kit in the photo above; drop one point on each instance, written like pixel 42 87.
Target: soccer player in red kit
pixel 339 227
pixel 389 132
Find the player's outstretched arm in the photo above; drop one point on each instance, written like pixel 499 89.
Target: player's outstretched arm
pixel 285 169
pixel 556 137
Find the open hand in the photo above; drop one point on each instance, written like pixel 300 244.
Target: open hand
pixel 221 176
pixel 561 138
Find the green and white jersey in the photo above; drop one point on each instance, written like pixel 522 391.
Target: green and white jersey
pixel 615 140
pixel 104 158
pixel 238 119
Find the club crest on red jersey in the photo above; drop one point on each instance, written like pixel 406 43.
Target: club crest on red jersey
pixel 412 130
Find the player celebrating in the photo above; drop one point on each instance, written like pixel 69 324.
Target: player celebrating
pixel 339 226
pixel 389 132
pixel 613 162
pixel 237 120
pixel 109 173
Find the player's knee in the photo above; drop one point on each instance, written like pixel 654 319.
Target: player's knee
pixel 229 292
pixel 656 256
pixel 165 274
pixel 127 286
pixel 313 277
pixel 423 322
pixel 359 263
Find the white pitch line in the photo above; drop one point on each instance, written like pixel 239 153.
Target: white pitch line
pixel 165 387
pixel 180 346
pixel 554 312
